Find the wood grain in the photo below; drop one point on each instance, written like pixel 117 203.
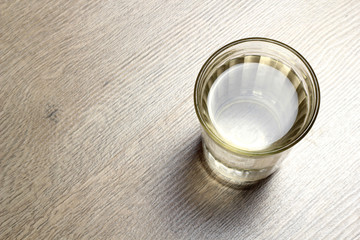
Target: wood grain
pixel 99 139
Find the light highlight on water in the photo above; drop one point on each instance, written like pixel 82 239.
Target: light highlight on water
pixel 252 105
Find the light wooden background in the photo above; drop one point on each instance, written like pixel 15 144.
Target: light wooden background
pixel 99 138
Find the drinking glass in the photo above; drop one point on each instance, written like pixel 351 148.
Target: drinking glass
pixel 255 99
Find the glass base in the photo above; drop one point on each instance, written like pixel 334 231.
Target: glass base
pixel 233 176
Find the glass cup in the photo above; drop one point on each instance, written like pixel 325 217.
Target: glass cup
pixel 255 99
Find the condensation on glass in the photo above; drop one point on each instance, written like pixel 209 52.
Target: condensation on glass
pixel 255 98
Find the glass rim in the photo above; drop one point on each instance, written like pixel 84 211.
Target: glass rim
pixel 240 151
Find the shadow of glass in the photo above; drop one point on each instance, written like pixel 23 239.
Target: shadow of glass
pixel 195 201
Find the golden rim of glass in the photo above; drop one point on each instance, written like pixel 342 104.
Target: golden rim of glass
pixel 257 152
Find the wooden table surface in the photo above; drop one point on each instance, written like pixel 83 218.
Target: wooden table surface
pixel 99 138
